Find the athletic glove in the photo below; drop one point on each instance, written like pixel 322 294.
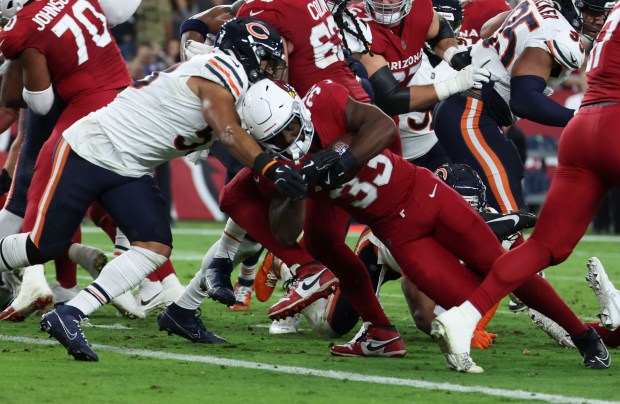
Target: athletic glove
pixel 287 180
pixel 339 173
pixel 458 57
pixel 317 165
pixel 469 77
pixel 192 48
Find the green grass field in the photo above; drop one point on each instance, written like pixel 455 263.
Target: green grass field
pixel 140 364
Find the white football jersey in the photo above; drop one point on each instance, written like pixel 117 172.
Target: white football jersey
pixel 416 132
pixel 156 119
pixel 531 24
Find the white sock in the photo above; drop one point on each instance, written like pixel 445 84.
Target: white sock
pixel 172 281
pixel 231 239
pixel 193 296
pixel 13 252
pixel 119 276
pixel 470 312
pixel 10 223
pixel 247 273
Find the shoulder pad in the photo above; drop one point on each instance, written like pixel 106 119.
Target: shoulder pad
pixel 566 49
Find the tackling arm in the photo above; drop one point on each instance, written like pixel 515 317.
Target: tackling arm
pixel 37 92
pixel 286 218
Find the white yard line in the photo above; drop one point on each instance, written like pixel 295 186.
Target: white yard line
pixel 330 374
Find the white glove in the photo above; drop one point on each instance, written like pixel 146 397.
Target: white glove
pixel 192 48
pixel 469 77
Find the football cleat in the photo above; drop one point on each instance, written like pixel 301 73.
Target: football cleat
pixel 607 295
pixel 216 281
pixel 454 331
pixel 62 295
pixel 90 258
pixel 127 306
pixel 267 277
pixel 34 295
pixel 373 341
pixel 592 349
pixel 243 296
pixel 289 325
pixel 11 284
pixel 553 329
pixel 63 324
pixel 187 324
pixel 312 282
pixel 515 305
pixel 150 296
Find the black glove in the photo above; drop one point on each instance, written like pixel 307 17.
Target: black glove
pixel 288 181
pixel 317 165
pixel 339 173
pixel 461 59
pixel 505 225
pixel 5 182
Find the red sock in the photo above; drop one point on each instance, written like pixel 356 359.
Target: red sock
pixel 163 271
pixel 66 270
pixel 610 338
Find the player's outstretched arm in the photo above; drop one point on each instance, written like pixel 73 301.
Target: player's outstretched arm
pixel 286 218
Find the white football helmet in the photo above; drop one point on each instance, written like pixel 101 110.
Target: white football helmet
pixel 387 14
pixel 8 8
pixel 268 107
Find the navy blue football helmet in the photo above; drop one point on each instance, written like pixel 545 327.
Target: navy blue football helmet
pixel 466 182
pixel 256 45
pixel 586 16
pixel 451 10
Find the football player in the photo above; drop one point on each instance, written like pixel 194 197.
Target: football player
pixel 427 227
pixel 587 169
pixel 115 149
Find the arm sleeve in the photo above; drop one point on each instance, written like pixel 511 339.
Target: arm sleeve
pixel 527 101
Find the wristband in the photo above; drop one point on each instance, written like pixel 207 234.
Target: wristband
pixel 194 24
pixel 5 181
pixel 262 163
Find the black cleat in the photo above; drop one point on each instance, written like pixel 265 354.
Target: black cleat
pixel 216 281
pixel 63 324
pixel 187 324
pixel 593 349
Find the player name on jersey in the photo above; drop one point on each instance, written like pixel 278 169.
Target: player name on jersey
pixel 48 13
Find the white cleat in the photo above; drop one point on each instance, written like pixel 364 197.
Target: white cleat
pixel 455 332
pixel 127 306
pixel 606 293
pixel 90 258
pixel 11 285
pixel 289 325
pixel 150 296
pixel 62 295
pixel 553 329
pixel 34 295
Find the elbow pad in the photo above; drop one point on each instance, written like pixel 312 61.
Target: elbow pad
pixel 117 11
pixel 528 101
pixel 389 95
pixel 39 101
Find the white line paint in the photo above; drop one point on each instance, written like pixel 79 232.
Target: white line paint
pixel 330 374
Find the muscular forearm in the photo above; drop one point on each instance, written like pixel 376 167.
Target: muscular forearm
pixel 286 219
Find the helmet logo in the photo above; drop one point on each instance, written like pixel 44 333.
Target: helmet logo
pixel 257 30
pixel 441 173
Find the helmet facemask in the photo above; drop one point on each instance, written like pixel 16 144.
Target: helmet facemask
pixel 387 14
pixel 591 16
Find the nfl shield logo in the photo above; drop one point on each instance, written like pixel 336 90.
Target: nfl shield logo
pixel 404 44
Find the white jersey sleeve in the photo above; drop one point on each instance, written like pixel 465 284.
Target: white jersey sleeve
pixel 156 119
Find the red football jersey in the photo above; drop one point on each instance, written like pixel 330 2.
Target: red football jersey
pixel 403 44
pixel 317 48
pixel 476 13
pixel 81 54
pixel 603 67
pixel 382 186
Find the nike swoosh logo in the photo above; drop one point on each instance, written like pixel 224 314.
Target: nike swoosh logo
pixel 309 164
pixel 514 218
pixel 306 286
pixel 371 347
pixel 279 170
pixel 1 42
pixel 71 335
pixel 253 13
pixel 327 180
pixel 145 302
pixel 432 194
